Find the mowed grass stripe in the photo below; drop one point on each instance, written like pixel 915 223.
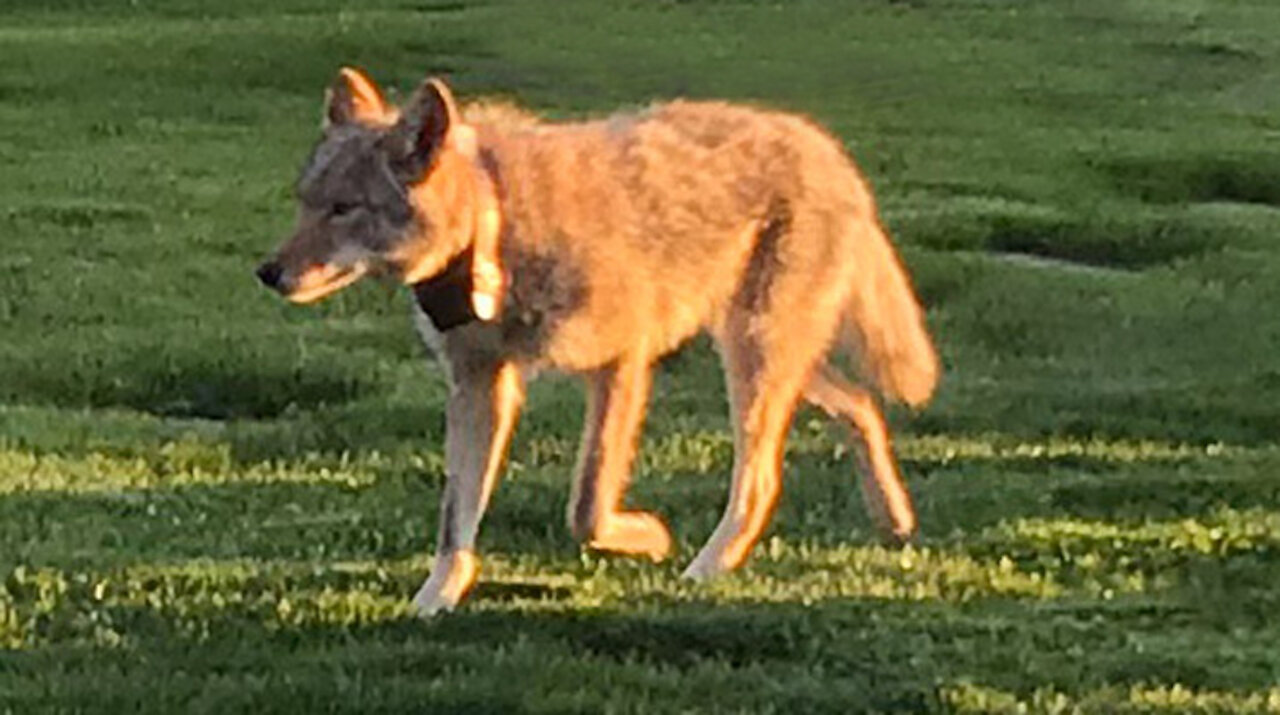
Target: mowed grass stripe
pixel 195 461
pixel 36 600
pixel 1023 559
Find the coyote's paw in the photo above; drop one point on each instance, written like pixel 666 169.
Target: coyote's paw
pixel 890 508
pixel 704 568
pixel 896 539
pixel 723 552
pixel 451 578
pixel 635 533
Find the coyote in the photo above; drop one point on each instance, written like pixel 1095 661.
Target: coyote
pixel 594 248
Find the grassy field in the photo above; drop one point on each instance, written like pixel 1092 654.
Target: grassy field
pixel 214 502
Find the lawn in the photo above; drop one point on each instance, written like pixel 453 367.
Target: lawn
pixel 211 501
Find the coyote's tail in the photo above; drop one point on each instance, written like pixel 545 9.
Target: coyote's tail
pixel 887 323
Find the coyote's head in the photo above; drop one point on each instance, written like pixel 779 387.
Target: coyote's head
pixel 385 190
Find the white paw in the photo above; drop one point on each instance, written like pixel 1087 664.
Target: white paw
pixel 450 580
pixel 430 600
pixel 703 568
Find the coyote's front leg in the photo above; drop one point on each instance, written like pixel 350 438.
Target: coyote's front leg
pixel 484 402
pixel 616 399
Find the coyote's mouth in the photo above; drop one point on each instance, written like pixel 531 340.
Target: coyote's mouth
pixel 320 280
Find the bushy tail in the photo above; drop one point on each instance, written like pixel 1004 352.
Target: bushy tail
pixel 887 323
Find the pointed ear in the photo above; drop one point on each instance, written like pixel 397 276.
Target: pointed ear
pixel 353 97
pixel 425 123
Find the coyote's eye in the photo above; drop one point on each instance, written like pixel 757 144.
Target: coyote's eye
pixel 342 208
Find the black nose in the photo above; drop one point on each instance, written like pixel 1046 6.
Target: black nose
pixel 269 273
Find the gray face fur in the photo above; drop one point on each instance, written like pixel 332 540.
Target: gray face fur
pixel 348 186
pixel 357 211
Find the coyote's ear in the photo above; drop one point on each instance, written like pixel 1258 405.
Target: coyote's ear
pixel 352 97
pixel 424 124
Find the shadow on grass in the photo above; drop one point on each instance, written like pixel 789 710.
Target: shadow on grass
pixel 1067 238
pixel 1145 497
pixel 210 385
pixel 392 516
pixel 1188 179
pixel 968 493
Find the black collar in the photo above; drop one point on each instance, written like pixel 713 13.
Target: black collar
pixel 446 296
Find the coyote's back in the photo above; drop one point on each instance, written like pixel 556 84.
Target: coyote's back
pixel 659 220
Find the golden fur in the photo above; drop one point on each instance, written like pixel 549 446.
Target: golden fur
pixel 619 239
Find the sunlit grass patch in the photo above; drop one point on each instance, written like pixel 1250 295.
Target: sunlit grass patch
pixel 698 451
pixel 208 459
pixel 805 573
pixel 968 697
pixel 1220 533
pixel 947 448
pixel 710 451
pixel 176 464
pixel 49 604
pixel 1108 557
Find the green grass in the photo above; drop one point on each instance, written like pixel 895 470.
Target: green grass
pixel 212 501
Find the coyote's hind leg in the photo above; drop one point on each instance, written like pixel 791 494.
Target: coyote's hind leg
pixel 886 495
pixel 763 396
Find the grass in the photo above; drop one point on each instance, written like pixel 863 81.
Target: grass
pixel 210 501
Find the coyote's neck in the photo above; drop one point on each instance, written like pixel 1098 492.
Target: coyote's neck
pixel 471 285
pixel 446 297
